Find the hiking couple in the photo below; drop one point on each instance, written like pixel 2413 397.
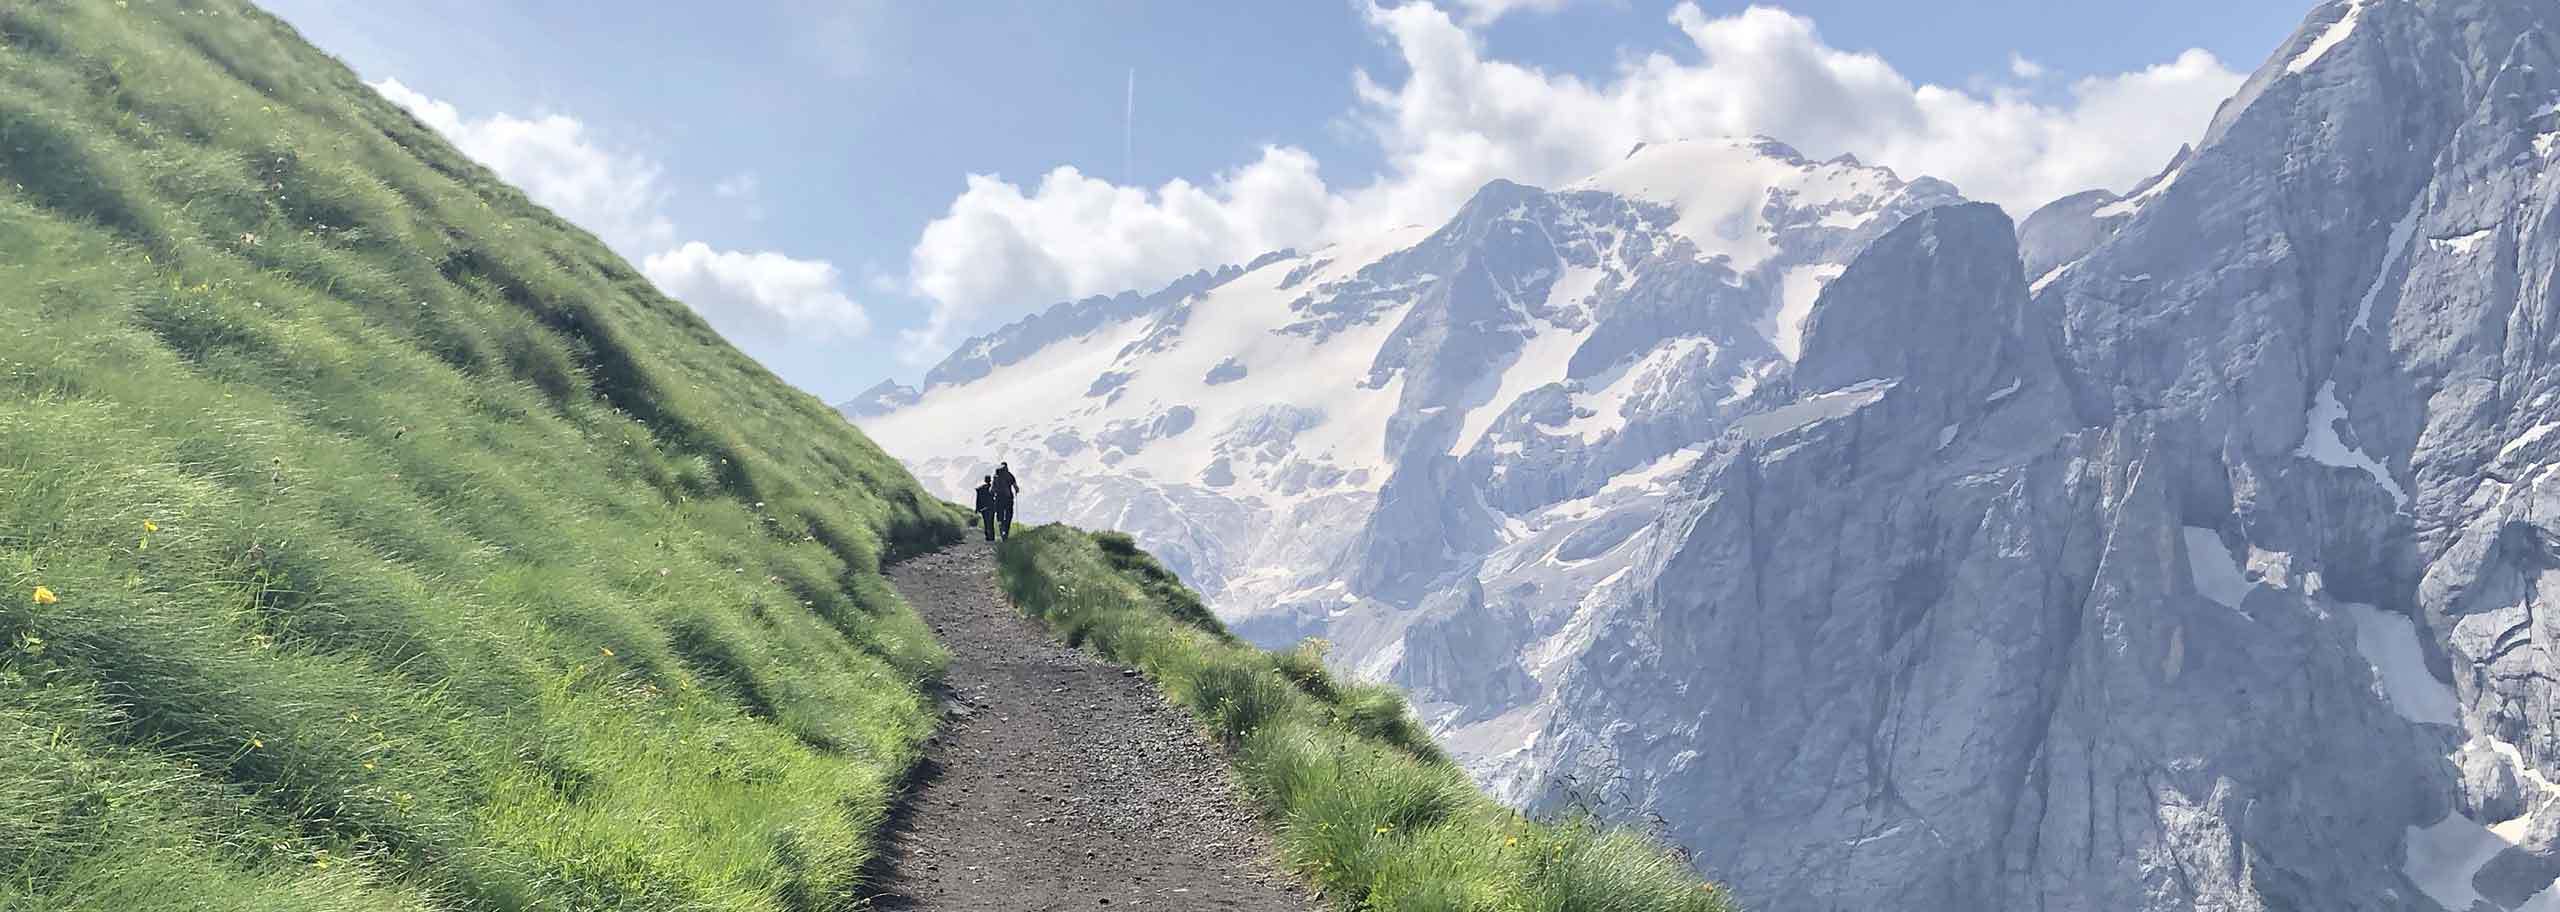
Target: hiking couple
pixel 995 503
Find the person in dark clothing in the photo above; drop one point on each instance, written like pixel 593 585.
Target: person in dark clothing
pixel 987 507
pixel 1005 488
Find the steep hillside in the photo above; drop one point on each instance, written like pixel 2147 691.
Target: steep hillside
pixel 375 540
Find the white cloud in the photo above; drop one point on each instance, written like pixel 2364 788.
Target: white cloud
pixel 619 197
pixel 1482 12
pixel 622 197
pixel 999 248
pixel 740 186
pixel 745 191
pixel 1459 119
pixel 758 294
pixel 2023 68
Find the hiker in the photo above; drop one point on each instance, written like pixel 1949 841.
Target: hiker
pixel 987 507
pixel 1006 487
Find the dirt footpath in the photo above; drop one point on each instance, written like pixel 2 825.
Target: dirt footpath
pixel 1061 781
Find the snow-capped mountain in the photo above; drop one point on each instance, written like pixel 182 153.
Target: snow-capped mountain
pixel 1314 438
pixel 885 397
pixel 2200 565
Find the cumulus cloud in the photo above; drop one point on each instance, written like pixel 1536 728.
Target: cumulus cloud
pixel 999 246
pixel 1458 119
pixel 622 198
pixel 757 294
pixel 1482 12
pixel 619 197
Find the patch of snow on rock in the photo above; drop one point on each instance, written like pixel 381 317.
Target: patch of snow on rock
pixel 1542 361
pixel 2443 856
pixel 1606 407
pixel 1650 475
pixel 2462 246
pixel 2530 437
pixel 2335 35
pixel 1798 291
pixel 2389 643
pixel 1813 409
pixel 2051 276
pixel 2321 443
pixel 2397 247
pixel 2217 576
pixel 2132 204
pixel 2546 901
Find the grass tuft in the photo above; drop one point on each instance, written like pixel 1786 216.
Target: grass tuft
pixel 1304 667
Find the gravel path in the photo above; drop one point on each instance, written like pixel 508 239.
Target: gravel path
pixel 1061 781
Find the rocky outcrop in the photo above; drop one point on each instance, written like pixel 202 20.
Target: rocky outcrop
pixel 2233 603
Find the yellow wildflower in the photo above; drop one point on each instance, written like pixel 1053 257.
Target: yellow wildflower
pixel 257 743
pixel 368 766
pixel 45 596
pixel 607 650
pixel 1384 828
pixel 149 526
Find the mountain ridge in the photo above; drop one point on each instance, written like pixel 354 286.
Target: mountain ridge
pixel 1341 288
pixel 2250 484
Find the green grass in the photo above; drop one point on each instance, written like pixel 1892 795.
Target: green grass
pixel 406 549
pixel 1365 805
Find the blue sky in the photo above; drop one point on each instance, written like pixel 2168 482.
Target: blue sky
pixel 802 172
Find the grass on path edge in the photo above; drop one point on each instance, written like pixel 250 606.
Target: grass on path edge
pixel 1365 805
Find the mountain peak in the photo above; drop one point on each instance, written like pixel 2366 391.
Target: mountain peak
pixel 1935 303
pixel 1729 195
pixel 882 398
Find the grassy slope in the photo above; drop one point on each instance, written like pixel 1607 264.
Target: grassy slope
pixel 1365 805
pixel 406 549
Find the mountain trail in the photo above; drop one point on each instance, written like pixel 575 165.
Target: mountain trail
pixel 1061 781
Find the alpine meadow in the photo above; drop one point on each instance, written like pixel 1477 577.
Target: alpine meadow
pixel 378 540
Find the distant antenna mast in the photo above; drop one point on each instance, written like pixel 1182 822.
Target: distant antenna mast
pixel 1128 125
